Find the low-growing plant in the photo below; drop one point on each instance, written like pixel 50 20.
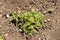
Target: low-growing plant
pixel 28 21
pixel 1 37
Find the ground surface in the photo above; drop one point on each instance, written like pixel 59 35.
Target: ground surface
pixel 10 32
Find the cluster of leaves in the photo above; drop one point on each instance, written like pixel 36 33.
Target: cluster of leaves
pixel 28 21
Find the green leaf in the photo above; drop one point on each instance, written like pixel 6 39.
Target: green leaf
pixel 1 37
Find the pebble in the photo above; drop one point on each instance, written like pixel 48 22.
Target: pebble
pixel 45 21
pixel 37 9
pixel 39 38
pixel 45 12
pixel 20 30
pixel 18 7
pixel 42 38
pixel 6 34
pixel 57 20
pixel 3 6
pixel 0 16
pixel 19 11
pixel 45 6
pixel 7 16
pixel 53 4
pixel 32 2
pixel 48 20
pixel 1 10
pixel 0 2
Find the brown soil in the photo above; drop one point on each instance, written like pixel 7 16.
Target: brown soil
pixel 11 32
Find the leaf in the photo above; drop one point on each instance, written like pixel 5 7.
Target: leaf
pixel 33 11
pixel 1 37
pixel 15 16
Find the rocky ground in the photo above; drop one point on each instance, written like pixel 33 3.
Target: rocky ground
pixel 52 18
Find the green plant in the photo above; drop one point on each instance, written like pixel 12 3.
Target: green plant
pixel 1 37
pixel 28 21
pixel 15 16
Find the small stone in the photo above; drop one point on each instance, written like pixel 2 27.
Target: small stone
pixel 1 10
pixel 20 30
pixel 45 21
pixel 6 34
pixel 45 6
pixel 48 20
pixel 7 16
pixel 54 4
pixel 37 9
pixel 19 11
pixel 0 2
pixel 45 12
pixel 3 6
pixel 0 16
pixel 18 7
pixel 32 2
pixel 39 38
pixel 42 38
pixel 57 20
